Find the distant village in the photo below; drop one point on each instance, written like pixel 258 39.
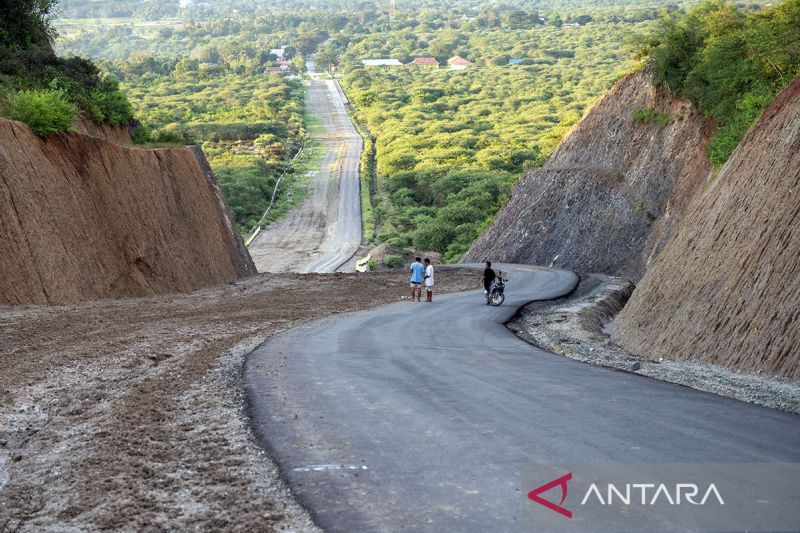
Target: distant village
pixel 454 63
pixel 283 65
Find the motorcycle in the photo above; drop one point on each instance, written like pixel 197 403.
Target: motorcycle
pixel 496 294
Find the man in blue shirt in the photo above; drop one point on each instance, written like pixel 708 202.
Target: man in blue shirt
pixel 417 274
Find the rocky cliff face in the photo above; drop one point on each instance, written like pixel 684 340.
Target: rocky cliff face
pixel 609 196
pixel 726 287
pixel 83 218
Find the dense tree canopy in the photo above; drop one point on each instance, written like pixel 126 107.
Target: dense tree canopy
pixel 25 23
pixel 729 60
pixel 39 87
pixel 448 145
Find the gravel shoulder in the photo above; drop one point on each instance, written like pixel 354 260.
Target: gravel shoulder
pixel 576 326
pixel 130 414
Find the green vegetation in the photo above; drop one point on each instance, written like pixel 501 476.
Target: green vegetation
pixel 451 143
pixel 731 61
pixel 250 125
pixel 45 111
pixel 368 175
pixel 43 90
pixel 648 115
pixel 393 261
pixel 443 147
pixel 26 23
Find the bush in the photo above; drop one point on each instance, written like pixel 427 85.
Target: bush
pixel 648 115
pixel 112 104
pixel 394 261
pixel 729 60
pixel 140 134
pixel 45 111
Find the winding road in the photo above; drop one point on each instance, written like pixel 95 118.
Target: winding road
pixel 325 230
pixel 422 417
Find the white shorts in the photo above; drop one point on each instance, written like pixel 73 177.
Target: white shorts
pixel 429 288
pixel 416 284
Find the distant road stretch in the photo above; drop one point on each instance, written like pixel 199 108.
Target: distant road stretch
pixel 325 231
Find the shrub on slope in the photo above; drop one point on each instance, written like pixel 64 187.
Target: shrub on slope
pixel 45 111
pixel 729 60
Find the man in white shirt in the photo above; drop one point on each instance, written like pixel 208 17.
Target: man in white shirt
pixel 428 280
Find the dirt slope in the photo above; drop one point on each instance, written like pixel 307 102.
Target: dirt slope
pixel 112 134
pixel 726 288
pixel 609 196
pixel 82 218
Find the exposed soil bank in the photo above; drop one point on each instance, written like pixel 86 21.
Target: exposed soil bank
pixel 129 414
pixel 83 218
pixel 726 287
pixel 575 326
pixel 630 192
pixel 610 195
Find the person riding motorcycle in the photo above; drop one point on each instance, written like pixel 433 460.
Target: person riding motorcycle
pixel 488 278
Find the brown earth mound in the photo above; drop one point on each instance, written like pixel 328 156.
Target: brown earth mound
pixel 82 218
pixel 726 288
pixel 609 196
pixel 112 134
pixel 382 251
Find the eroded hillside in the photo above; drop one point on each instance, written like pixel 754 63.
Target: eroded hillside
pixel 726 288
pixel 609 196
pixel 84 218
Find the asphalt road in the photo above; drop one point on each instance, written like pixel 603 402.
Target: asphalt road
pixel 422 417
pixel 325 230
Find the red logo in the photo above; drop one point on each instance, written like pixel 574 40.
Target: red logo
pixel 562 482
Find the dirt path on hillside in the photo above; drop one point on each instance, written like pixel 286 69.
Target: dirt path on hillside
pixel 325 230
pixel 130 414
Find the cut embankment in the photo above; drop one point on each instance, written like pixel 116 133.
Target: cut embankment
pixel 83 218
pixel 726 287
pixel 630 193
pixel 610 195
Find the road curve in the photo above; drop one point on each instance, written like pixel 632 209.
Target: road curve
pixel 422 417
pixel 325 231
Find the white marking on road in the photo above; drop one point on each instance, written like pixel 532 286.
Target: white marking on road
pixel 321 468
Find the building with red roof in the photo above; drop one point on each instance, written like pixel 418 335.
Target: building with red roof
pixel 458 63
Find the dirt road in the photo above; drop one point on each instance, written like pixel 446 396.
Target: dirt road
pixel 325 231
pixel 130 414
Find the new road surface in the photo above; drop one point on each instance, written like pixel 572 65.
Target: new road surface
pixel 325 230
pixel 424 417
